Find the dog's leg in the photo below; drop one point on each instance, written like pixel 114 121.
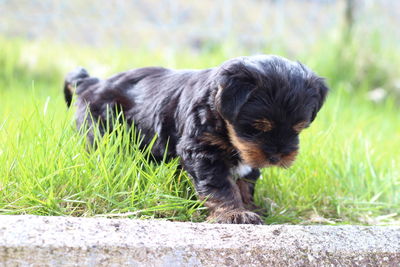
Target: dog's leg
pixel 214 184
pixel 246 186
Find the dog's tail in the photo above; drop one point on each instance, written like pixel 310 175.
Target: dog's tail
pixel 72 81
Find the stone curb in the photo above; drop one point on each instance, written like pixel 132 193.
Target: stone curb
pixel 65 241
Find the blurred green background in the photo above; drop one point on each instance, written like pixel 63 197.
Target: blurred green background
pixel 348 170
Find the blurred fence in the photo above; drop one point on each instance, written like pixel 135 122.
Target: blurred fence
pixel 251 24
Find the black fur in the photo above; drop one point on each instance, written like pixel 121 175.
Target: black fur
pixel 191 111
pixel 73 79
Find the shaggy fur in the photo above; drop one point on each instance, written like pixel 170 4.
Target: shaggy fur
pixel 224 122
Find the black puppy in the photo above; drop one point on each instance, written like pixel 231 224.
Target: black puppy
pixel 225 122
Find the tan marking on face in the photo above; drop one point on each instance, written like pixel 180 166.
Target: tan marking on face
pixel 263 125
pixel 287 160
pixel 250 152
pixel 300 126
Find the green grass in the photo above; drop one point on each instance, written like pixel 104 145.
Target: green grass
pixel 347 171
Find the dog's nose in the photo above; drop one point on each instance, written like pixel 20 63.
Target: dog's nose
pixel 274 159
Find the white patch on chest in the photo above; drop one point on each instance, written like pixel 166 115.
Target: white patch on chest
pixel 240 170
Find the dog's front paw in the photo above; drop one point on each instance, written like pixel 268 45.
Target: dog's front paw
pixel 236 216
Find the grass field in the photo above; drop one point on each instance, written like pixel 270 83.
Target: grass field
pixel 347 172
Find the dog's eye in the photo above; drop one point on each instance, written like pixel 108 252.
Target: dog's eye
pixel 249 131
pixel 263 125
pixel 298 127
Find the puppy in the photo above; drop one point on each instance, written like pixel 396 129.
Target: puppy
pixel 225 123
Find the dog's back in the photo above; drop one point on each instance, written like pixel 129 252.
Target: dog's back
pixel 147 97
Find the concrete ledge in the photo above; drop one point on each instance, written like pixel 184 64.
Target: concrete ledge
pixel 65 241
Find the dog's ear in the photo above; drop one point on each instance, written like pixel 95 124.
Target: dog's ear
pixel 234 88
pixel 322 89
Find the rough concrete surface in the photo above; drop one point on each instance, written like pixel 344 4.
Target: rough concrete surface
pixel 65 241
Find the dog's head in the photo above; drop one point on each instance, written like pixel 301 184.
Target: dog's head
pixel 266 102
